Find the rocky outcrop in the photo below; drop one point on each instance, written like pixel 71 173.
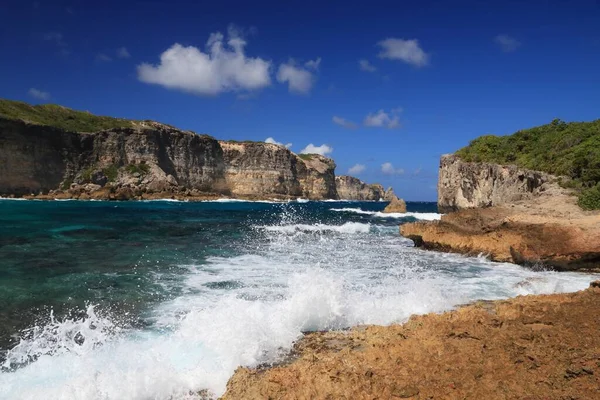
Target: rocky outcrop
pixel 474 185
pixel 351 188
pixel 152 160
pixel 316 175
pixel 519 235
pixel 260 169
pixel 510 215
pixel 530 347
pixel 396 206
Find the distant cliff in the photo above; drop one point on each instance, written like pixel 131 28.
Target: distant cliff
pixel 474 185
pixel 351 188
pixel 50 151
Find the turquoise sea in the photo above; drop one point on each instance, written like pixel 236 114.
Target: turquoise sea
pixel 162 299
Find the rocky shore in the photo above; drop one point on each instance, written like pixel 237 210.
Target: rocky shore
pixel 529 347
pixel 510 215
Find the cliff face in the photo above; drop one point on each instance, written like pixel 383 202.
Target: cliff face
pixel 474 185
pixel 316 175
pixel 260 169
pixel 152 160
pixel 511 215
pixel 351 188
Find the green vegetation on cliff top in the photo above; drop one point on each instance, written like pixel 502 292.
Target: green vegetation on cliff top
pixel 560 148
pixel 60 117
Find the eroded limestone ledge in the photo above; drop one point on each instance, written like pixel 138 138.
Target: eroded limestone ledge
pixel 531 347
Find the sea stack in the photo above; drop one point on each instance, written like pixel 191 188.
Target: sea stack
pixel 396 205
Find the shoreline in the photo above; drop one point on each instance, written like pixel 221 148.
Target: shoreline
pixel 534 346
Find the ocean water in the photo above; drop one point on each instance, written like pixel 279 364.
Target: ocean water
pixel 160 300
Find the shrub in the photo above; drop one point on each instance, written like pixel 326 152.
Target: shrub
pixel 589 199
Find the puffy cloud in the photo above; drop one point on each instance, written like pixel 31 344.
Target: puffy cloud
pixel 38 94
pixel 224 67
pixel 383 119
pixel 103 57
pixel 407 51
pixel 388 169
pixel 312 149
pixel 299 79
pixel 122 52
pixel 343 122
pixel 365 65
pixel 357 169
pixel 507 43
pixel 273 141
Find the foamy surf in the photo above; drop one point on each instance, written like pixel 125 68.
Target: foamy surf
pixel 347 228
pixel 379 214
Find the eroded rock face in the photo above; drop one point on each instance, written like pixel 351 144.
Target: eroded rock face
pixel 316 175
pixel 260 169
pixel 474 185
pixel 351 188
pixel 396 205
pixel 152 160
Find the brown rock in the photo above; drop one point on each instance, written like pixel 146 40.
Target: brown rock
pixel 396 206
pixel 536 347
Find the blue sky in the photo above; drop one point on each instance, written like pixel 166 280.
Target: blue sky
pixel 388 86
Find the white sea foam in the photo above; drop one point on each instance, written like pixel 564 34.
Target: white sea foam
pixel 379 214
pixel 348 227
pixel 249 309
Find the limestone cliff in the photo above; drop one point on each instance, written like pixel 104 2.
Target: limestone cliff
pixel 260 169
pixel 473 185
pixel 511 215
pixel 152 160
pixel 351 188
pixel 316 175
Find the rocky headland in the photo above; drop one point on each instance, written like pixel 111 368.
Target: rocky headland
pixel 516 214
pixel 51 152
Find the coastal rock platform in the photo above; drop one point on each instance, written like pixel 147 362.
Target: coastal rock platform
pixel 529 347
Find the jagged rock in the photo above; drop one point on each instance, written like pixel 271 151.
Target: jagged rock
pixel 396 206
pixel 473 185
pixel 351 188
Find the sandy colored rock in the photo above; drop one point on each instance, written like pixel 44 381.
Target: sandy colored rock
pixel 476 185
pixel 396 205
pixel 351 188
pixel 532 347
pixel 548 230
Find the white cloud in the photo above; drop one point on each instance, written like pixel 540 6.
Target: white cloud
pixel 224 67
pixel 388 169
pixel 507 43
pixel 313 64
pixel 103 57
pixel 357 169
pixel 312 149
pixel 383 119
pixel 407 51
pixel 365 65
pixel 273 141
pixel 343 122
pixel 299 79
pixel 122 52
pixel 38 94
